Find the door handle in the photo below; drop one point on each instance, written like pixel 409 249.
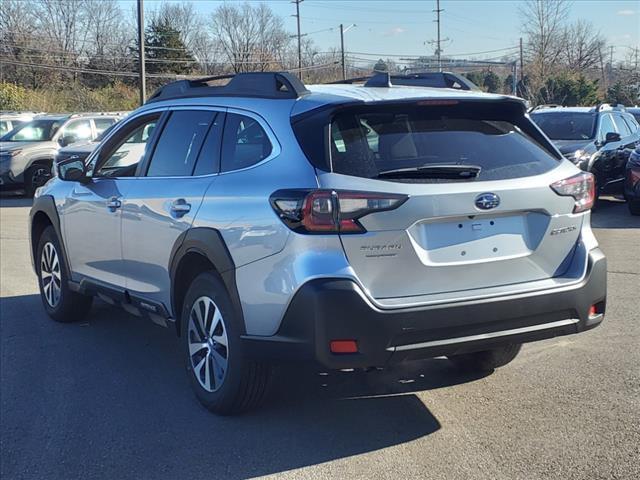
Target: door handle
pixel 180 207
pixel 113 204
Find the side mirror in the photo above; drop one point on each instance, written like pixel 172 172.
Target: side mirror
pixel 612 137
pixel 72 170
pixel 67 140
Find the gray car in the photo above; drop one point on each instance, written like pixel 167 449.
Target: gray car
pixel 27 152
pixel 348 225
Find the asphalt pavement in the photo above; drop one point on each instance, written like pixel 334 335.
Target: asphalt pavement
pixel 108 398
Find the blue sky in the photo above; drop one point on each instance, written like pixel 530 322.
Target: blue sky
pixel 401 27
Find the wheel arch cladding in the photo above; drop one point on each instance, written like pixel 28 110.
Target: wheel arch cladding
pixel 198 250
pixel 43 214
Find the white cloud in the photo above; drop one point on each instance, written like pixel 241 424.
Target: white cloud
pixel 626 13
pixel 394 31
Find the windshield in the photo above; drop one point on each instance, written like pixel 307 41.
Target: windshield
pixel 34 131
pixel 426 144
pixel 566 125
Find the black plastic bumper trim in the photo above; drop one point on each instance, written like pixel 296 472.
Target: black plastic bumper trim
pixel 330 309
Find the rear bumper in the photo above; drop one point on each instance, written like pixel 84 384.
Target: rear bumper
pixel 336 309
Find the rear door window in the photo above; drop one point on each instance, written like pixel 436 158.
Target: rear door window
pixel 631 122
pixel 180 142
pixel 209 159
pixel 371 144
pixel 77 130
pixel 102 124
pixel 244 144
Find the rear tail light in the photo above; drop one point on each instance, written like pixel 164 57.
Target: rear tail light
pixel 330 211
pixel 581 187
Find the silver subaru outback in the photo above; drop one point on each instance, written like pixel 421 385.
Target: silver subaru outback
pixel 351 225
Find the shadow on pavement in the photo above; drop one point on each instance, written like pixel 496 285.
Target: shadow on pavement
pixel 11 199
pixel 111 395
pixel 613 213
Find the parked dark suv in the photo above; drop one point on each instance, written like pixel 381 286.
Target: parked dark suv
pixel 632 183
pixel 597 139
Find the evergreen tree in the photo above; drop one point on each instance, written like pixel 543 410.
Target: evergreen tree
pixel 166 51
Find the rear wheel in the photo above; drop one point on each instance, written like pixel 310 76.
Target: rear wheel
pixel 634 207
pixel 60 303
pixel 486 361
pixel 223 378
pixel 36 176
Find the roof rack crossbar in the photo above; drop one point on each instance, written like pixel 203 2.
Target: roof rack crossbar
pixel 273 85
pixel 418 79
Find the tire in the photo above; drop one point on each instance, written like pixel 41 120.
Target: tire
pixel 486 361
pixel 36 176
pixel 225 380
pixel 60 302
pixel 634 207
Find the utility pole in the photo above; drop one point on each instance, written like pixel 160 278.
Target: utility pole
pixel 344 69
pixel 611 65
pixel 141 72
pixel 521 62
pixel 438 50
pixel 297 15
pixel 514 73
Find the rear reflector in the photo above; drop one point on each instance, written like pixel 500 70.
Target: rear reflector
pixel 592 311
pixel 581 187
pixel 343 346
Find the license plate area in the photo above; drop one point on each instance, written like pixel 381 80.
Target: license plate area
pixel 467 240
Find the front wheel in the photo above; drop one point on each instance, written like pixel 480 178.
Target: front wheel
pixel 223 378
pixel 36 176
pixel 486 361
pixel 634 207
pixel 60 302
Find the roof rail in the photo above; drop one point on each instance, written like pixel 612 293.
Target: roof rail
pixel 423 79
pixel 275 85
pixel 547 105
pixel 607 106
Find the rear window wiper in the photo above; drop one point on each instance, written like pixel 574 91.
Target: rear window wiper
pixel 450 172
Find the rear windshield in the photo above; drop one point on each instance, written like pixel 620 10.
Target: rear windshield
pixel 566 125
pixel 371 142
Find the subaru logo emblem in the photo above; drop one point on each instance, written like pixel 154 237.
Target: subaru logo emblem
pixel 487 201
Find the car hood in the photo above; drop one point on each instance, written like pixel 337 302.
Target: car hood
pixel 570 146
pixel 80 147
pixel 10 146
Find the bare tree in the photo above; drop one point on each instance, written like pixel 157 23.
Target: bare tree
pixel 17 41
pixel 543 25
pixel 581 46
pixel 64 24
pixel 251 38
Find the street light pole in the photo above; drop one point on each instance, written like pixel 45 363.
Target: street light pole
pixel 342 58
pixel 141 66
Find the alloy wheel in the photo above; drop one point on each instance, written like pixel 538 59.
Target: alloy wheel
pixel 50 274
pixel 208 344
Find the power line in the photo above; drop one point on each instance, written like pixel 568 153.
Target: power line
pixel 83 70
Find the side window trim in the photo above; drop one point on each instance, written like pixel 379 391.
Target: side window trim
pixel 276 148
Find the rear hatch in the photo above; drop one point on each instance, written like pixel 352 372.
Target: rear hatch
pixel 479 210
